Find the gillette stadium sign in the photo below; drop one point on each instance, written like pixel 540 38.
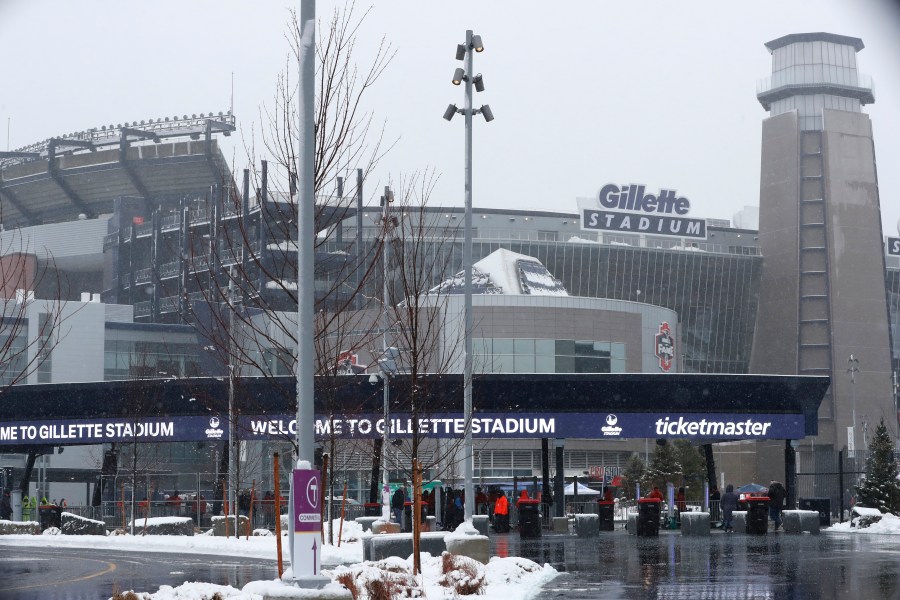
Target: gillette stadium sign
pixel 631 209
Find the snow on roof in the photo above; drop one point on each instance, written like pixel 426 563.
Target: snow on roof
pixel 506 272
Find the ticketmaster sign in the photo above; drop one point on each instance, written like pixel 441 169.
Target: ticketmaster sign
pixel 598 425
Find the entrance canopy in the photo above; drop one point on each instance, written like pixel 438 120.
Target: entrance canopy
pixel 705 408
pixel 583 490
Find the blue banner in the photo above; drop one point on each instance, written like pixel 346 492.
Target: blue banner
pixel 600 425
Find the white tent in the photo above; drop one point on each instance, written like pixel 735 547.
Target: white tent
pixel 583 490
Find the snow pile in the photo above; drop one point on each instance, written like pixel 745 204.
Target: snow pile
pixel 888 524
pixel 442 578
pixel 465 529
pixel 152 521
pixel 447 576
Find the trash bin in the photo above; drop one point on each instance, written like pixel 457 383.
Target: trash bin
pixel 757 514
pixel 648 517
pixel 606 510
pixel 407 517
pixel 529 518
pixel 371 509
pixel 821 506
pixel 50 516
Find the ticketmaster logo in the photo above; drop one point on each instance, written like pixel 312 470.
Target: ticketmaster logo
pixel 705 427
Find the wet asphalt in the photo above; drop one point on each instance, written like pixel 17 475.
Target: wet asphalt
pixel 613 565
pixel 727 566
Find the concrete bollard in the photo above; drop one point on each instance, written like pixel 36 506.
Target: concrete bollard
pixel 631 523
pixel 739 521
pixel 380 527
pixel 366 522
pixel 695 523
pixel 798 521
pixel 587 525
pixel 559 525
pixel 481 523
pixel 476 547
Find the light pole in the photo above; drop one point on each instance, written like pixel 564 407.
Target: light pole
pixel 465 52
pixel 388 354
pixel 853 369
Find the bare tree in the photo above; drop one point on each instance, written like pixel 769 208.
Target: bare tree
pixel 241 293
pixel 423 247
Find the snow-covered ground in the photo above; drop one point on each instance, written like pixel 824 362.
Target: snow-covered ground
pixel 889 524
pixel 502 579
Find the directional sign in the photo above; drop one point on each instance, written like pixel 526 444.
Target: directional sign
pixel 307 525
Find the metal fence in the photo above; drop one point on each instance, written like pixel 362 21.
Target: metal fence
pixel 825 474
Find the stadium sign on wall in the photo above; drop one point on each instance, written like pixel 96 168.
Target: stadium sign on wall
pixel 629 209
pixel 665 347
pixel 893 246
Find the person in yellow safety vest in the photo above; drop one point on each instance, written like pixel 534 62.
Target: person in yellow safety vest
pixel 26 508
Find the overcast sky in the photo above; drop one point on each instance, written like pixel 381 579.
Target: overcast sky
pixel 584 92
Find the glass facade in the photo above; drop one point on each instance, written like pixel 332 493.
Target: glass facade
pixel 810 75
pixel 503 355
pixel 133 359
pixel 715 295
pixel 15 355
pixel 892 283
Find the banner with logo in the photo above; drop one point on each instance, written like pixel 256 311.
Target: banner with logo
pixel 599 425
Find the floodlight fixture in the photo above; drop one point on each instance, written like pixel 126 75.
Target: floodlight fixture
pixel 451 110
pixel 476 43
pixel 479 83
pixel 458 76
pixel 460 51
pixel 487 113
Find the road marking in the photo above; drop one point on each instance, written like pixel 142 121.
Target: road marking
pixel 110 567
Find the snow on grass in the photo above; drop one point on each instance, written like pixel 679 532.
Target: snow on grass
pixel 264 547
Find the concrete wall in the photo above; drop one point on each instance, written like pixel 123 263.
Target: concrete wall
pixel 858 301
pixel 775 339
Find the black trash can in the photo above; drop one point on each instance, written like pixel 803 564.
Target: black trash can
pixel 648 517
pixel 821 506
pixel 371 509
pixel 757 515
pixel 529 518
pixel 50 516
pixel 606 510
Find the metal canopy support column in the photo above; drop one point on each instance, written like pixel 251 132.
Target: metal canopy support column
pixel 53 170
pixel 560 482
pixel 790 473
pixel 29 215
pixel 126 164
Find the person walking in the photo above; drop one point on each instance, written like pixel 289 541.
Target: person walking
pixel 501 513
pixel 729 504
pixel 714 498
pixel 397 502
pixel 655 493
pixel 777 494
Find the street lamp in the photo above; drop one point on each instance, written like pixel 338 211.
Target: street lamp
pixel 387 364
pixel 465 52
pixel 853 369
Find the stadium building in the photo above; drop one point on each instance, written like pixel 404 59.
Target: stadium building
pixel 144 222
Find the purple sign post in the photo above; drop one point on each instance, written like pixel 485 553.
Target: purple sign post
pixel 306 517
